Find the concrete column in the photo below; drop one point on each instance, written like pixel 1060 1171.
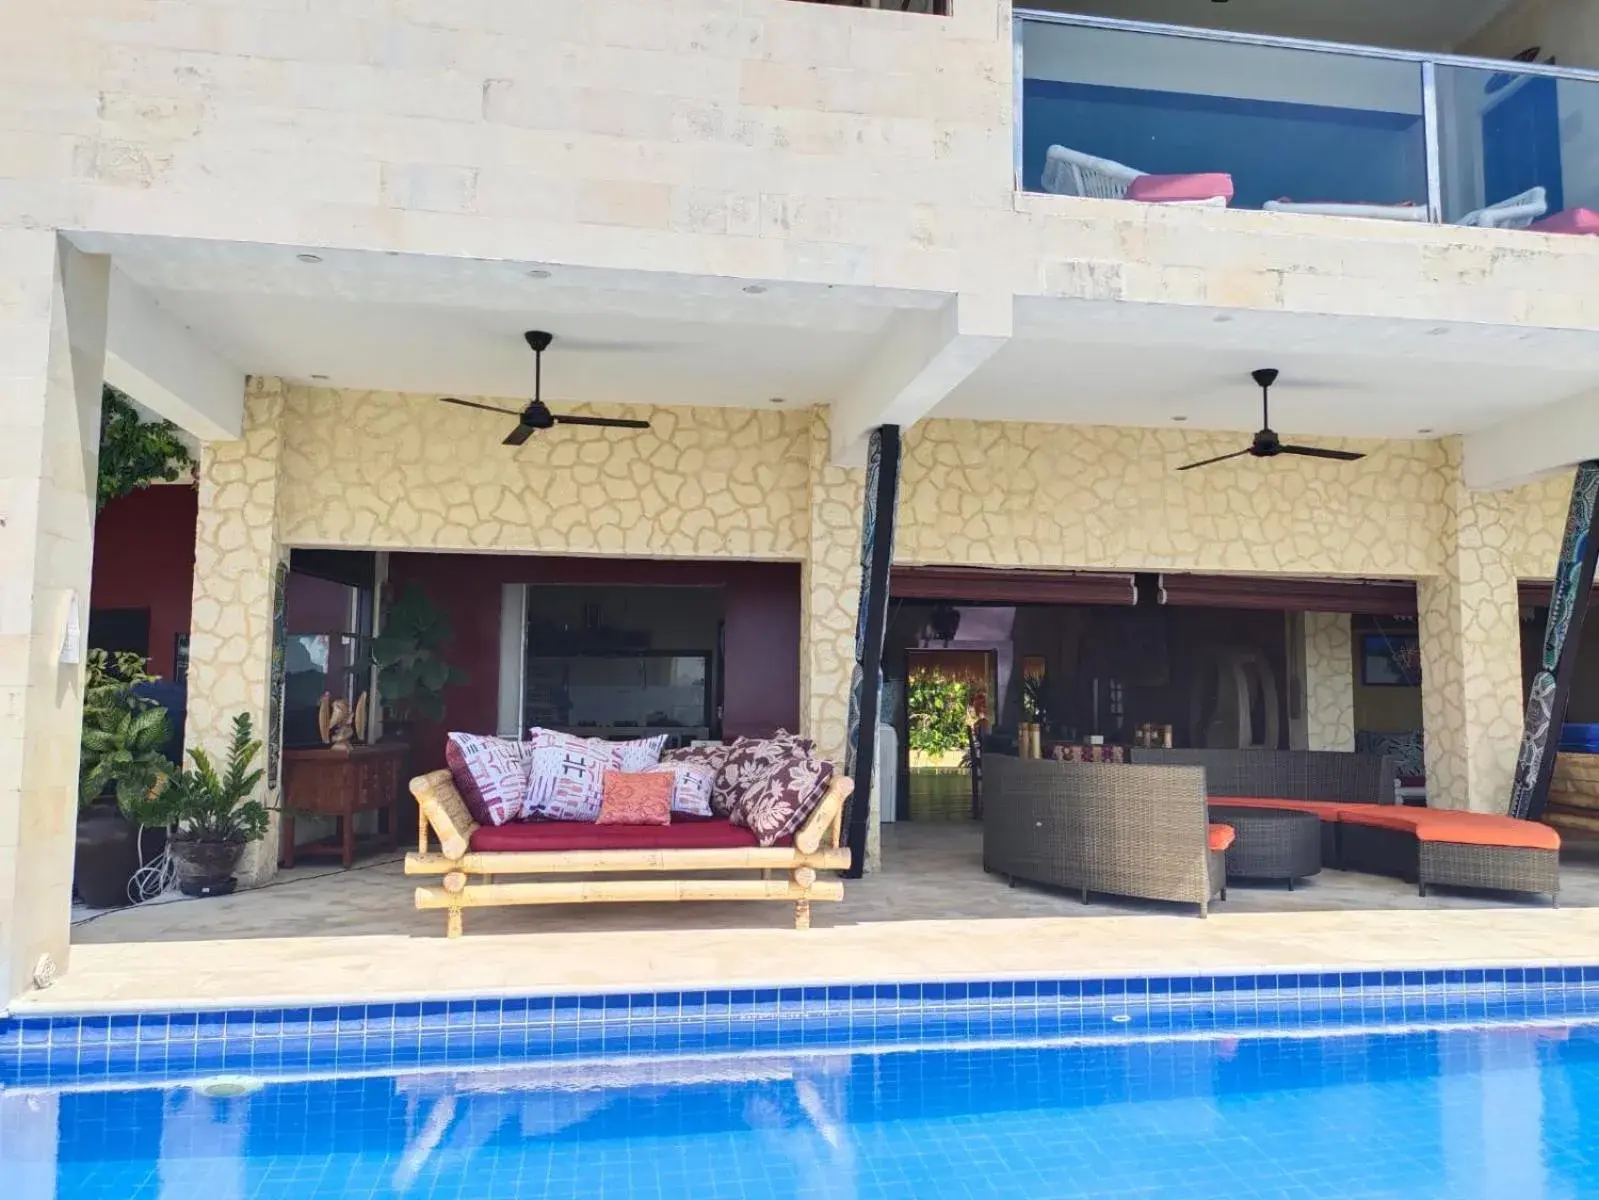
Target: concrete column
pixel 236 560
pixel 52 360
pixel 830 597
pixel 1329 682
pixel 1471 653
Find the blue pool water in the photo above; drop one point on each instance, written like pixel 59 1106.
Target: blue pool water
pixel 1509 1111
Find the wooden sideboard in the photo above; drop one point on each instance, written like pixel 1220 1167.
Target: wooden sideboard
pixel 340 784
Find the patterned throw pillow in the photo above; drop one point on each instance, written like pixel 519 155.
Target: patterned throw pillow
pixel 691 786
pixel 749 760
pixel 491 775
pixel 779 801
pixel 566 776
pixel 642 798
pixel 638 755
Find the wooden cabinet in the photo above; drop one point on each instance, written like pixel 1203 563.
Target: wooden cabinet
pixel 340 784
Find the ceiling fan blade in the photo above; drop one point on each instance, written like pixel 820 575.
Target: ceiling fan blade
pixel 519 435
pixel 509 412
pixel 1219 458
pixel 607 422
pixel 1317 452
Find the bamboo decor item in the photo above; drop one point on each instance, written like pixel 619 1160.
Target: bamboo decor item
pixel 817 847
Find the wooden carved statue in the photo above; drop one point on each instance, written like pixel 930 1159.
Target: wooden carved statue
pixel 339 725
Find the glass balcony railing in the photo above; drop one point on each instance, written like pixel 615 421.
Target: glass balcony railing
pixel 1169 115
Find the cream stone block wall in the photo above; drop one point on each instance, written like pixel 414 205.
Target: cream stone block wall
pixel 236 554
pixel 52 353
pixel 1017 494
pixel 390 472
pixel 1471 650
pixel 1329 682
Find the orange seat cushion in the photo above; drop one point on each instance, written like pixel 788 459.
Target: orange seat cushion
pixel 1327 810
pixel 1458 828
pixel 1219 837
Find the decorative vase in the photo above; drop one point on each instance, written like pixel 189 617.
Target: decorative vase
pixel 106 857
pixel 206 868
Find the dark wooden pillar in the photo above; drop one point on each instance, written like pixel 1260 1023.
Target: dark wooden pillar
pixel 1551 686
pixel 871 621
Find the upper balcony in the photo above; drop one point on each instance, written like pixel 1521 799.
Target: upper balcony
pixel 1174 115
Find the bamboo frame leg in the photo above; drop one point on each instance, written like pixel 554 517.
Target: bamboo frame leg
pixel 802 914
pixel 452 923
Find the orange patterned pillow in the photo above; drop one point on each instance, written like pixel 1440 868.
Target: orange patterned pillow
pixel 644 798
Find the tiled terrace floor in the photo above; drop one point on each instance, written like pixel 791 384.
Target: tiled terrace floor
pixel 931 913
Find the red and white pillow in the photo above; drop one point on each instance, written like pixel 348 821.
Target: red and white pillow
pixel 566 773
pixel 691 787
pixel 491 775
pixel 777 802
pixel 748 761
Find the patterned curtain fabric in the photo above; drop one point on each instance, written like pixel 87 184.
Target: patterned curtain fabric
pixel 1551 686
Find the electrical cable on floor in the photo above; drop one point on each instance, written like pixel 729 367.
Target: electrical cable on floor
pixel 385 861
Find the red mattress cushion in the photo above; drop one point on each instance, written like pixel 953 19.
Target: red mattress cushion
pixel 1571 220
pixel 582 835
pixel 1168 189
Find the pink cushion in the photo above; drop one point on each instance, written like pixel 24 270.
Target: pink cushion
pixel 491 775
pixel 1571 220
pixel 636 798
pixel 571 835
pixel 1165 189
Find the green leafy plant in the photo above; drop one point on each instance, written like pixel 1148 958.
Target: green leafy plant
pixel 1034 706
pixel 135 453
pixel 205 805
pixel 939 712
pixel 411 674
pixel 124 736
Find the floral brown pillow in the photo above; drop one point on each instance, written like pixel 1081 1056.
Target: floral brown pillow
pixel 749 760
pixel 775 804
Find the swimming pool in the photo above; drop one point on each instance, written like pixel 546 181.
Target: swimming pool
pixel 1503 1112
pixel 1384 1084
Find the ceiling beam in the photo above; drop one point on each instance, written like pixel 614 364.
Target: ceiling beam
pixel 157 361
pixel 923 356
pixel 1553 438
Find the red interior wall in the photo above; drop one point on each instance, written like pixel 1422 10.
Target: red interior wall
pixel 144 558
pixel 761 611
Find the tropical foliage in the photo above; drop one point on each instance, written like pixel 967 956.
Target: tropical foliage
pixel 124 736
pixel 135 453
pixel 939 712
pixel 411 674
pixel 1034 705
pixel 205 805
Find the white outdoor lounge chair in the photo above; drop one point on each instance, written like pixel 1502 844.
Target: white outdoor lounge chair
pixel 1516 212
pixel 1334 208
pixel 1069 172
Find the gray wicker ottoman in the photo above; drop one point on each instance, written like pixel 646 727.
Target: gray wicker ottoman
pixel 1271 843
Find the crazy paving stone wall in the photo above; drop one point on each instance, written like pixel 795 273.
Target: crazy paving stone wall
pixel 1329 682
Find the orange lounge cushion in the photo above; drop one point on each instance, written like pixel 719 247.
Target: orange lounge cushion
pixel 1219 837
pixel 1327 810
pixel 719 834
pixel 1458 828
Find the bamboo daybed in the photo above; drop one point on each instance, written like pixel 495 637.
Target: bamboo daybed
pixel 815 847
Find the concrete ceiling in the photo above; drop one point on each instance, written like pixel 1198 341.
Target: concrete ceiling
pixel 1436 25
pixel 1128 364
pixel 406 323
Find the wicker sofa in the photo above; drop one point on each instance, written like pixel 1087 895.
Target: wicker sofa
pixel 1099 827
pixel 678 856
pixel 1363 829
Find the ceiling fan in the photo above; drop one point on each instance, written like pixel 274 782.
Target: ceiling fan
pixel 536 415
pixel 1267 444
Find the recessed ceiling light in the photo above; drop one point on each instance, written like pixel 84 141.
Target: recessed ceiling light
pixel 538 273
pixel 777 400
pixel 755 289
pixel 1179 418
pixel 309 258
pixel 1439 331
pixel 319 377
pixel 1424 431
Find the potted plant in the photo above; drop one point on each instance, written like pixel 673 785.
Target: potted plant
pixel 1033 713
pixel 122 770
pixel 411 674
pixel 214 816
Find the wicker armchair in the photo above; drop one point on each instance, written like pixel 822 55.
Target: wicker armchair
pixel 1099 827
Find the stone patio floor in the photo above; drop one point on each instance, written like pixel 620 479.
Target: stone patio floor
pixel 319 934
